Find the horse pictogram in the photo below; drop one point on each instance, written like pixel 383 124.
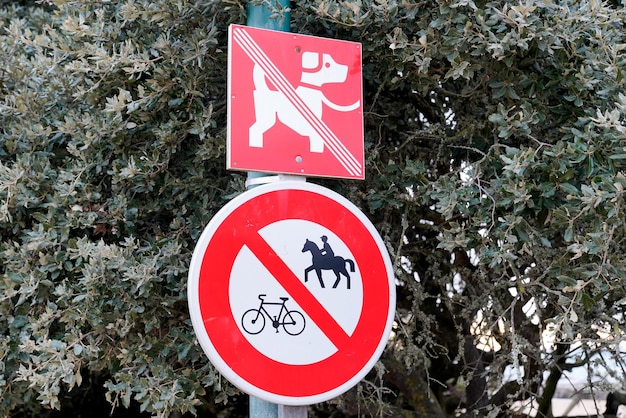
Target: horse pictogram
pixel 325 259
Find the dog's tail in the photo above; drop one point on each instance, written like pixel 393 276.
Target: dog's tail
pixel 258 75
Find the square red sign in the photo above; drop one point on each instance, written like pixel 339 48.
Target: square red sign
pixel 295 104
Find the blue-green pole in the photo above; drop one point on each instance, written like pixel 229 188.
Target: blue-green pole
pixel 266 14
pixel 269 14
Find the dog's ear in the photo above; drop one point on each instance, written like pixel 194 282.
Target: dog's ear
pixel 310 60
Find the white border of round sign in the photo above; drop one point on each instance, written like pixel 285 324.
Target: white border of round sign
pixel 211 347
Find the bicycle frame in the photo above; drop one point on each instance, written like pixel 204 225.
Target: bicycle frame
pixel 275 319
pixel 292 321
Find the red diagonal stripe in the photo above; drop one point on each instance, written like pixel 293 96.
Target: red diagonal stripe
pixel 297 290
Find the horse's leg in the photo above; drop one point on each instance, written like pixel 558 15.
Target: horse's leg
pixel 338 279
pixel 306 273
pixel 351 263
pixel 319 276
pixel 345 273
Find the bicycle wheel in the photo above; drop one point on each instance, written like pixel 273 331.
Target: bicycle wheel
pixel 293 322
pixel 253 321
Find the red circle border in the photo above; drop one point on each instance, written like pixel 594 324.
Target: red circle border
pixel 222 329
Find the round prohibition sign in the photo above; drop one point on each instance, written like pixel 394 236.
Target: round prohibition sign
pixel 235 227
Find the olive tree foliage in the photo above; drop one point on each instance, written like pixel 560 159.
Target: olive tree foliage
pixel 496 154
pixel 112 148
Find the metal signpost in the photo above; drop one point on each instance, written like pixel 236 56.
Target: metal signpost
pixel 265 15
pixel 291 290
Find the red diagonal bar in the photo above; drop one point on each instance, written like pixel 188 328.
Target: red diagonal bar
pixel 297 290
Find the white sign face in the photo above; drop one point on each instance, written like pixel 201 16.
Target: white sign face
pixel 291 293
pixel 249 279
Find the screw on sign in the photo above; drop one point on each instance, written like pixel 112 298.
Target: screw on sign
pixel 294 104
pixel 291 293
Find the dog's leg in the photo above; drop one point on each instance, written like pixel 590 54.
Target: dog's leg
pixel 316 143
pixel 264 110
pixel 265 117
pixel 313 99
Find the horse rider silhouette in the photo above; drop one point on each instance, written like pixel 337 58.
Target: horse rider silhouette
pixel 325 259
pixel 326 250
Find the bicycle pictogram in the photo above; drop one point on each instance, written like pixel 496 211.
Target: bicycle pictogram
pixel 253 320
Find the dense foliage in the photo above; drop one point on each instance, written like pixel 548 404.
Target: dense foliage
pixel 496 156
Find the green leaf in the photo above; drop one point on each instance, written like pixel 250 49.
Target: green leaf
pixel 568 235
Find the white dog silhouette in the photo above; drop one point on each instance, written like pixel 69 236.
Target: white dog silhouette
pixel 270 104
